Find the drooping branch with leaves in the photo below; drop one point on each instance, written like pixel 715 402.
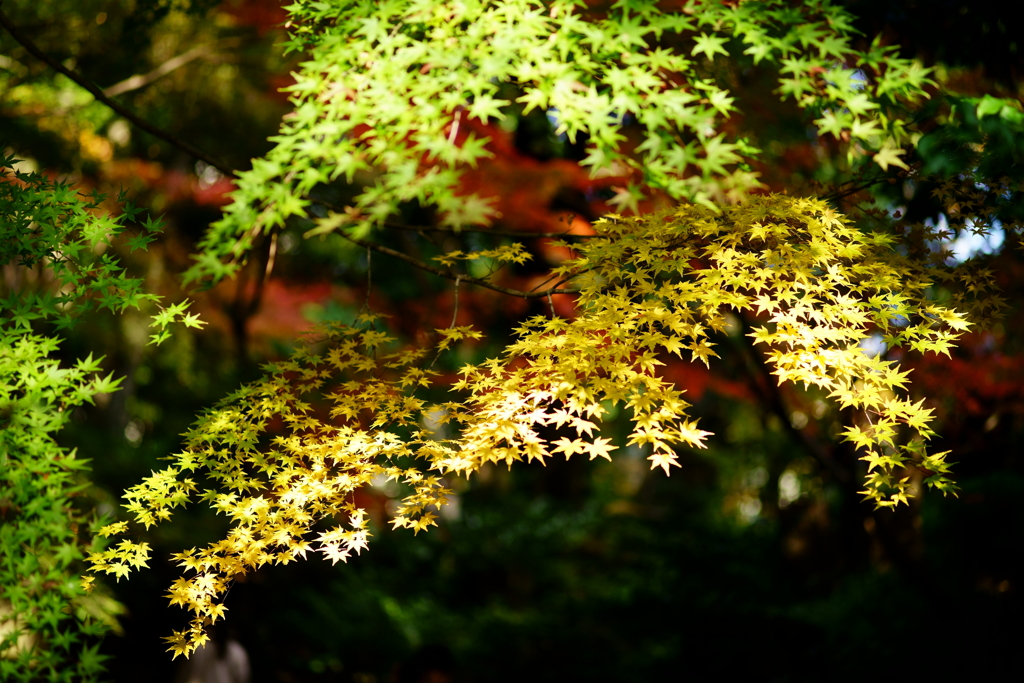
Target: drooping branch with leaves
pixel 648 286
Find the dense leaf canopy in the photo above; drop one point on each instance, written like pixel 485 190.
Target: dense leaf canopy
pixel 585 211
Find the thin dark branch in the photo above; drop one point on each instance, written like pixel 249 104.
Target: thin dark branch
pixel 369 279
pixel 253 305
pixel 186 147
pixel 99 94
pixel 455 318
pixel 553 276
pixel 142 80
pixel 485 231
pixel 455 309
pixel 863 185
pixel 452 276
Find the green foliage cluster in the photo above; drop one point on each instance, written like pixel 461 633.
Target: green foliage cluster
pixel 60 244
pixel 389 87
pixel 983 133
pixel 40 544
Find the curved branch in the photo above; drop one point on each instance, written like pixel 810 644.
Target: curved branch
pixel 525 234
pixel 142 80
pixel 452 276
pixel 98 93
pixel 855 187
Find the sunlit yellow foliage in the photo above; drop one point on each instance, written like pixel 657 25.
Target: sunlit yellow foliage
pixel 283 456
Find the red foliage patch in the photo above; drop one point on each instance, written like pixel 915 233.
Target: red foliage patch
pixel 264 15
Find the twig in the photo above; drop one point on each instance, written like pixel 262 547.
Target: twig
pixel 455 318
pixel 141 81
pixel 455 310
pixel 369 279
pixel 865 184
pixel 186 147
pixel 270 258
pixel 484 231
pixel 450 276
pixel 395 225
pixel 552 277
pixel 455 127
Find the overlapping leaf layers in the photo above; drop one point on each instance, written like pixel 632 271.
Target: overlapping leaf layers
pixel 971 165
pixel 283 457
pixel 389 90
pixel 56 252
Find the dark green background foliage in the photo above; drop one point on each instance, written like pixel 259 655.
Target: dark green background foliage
pixel 756 559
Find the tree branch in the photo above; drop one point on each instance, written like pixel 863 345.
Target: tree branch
pixel 855 188
pixel 186 147
pixel 141 81
pixel 483 231
pixel 452 276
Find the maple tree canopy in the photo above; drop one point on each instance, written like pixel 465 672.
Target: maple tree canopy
pixel 397 143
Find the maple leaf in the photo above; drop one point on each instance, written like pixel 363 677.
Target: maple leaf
pixel 889 155
pixel 709 45
pixel 600 447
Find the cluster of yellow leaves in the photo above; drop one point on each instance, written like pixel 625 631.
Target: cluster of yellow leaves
pixel 512 253
pixel 118 560
pixel 283 457
pixel 291 493
pixel 817 286
pixel 574 369
pixel 452 335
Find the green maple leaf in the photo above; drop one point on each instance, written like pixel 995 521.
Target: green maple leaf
pixel 485 107
pixel 140 241
pixel 709 46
